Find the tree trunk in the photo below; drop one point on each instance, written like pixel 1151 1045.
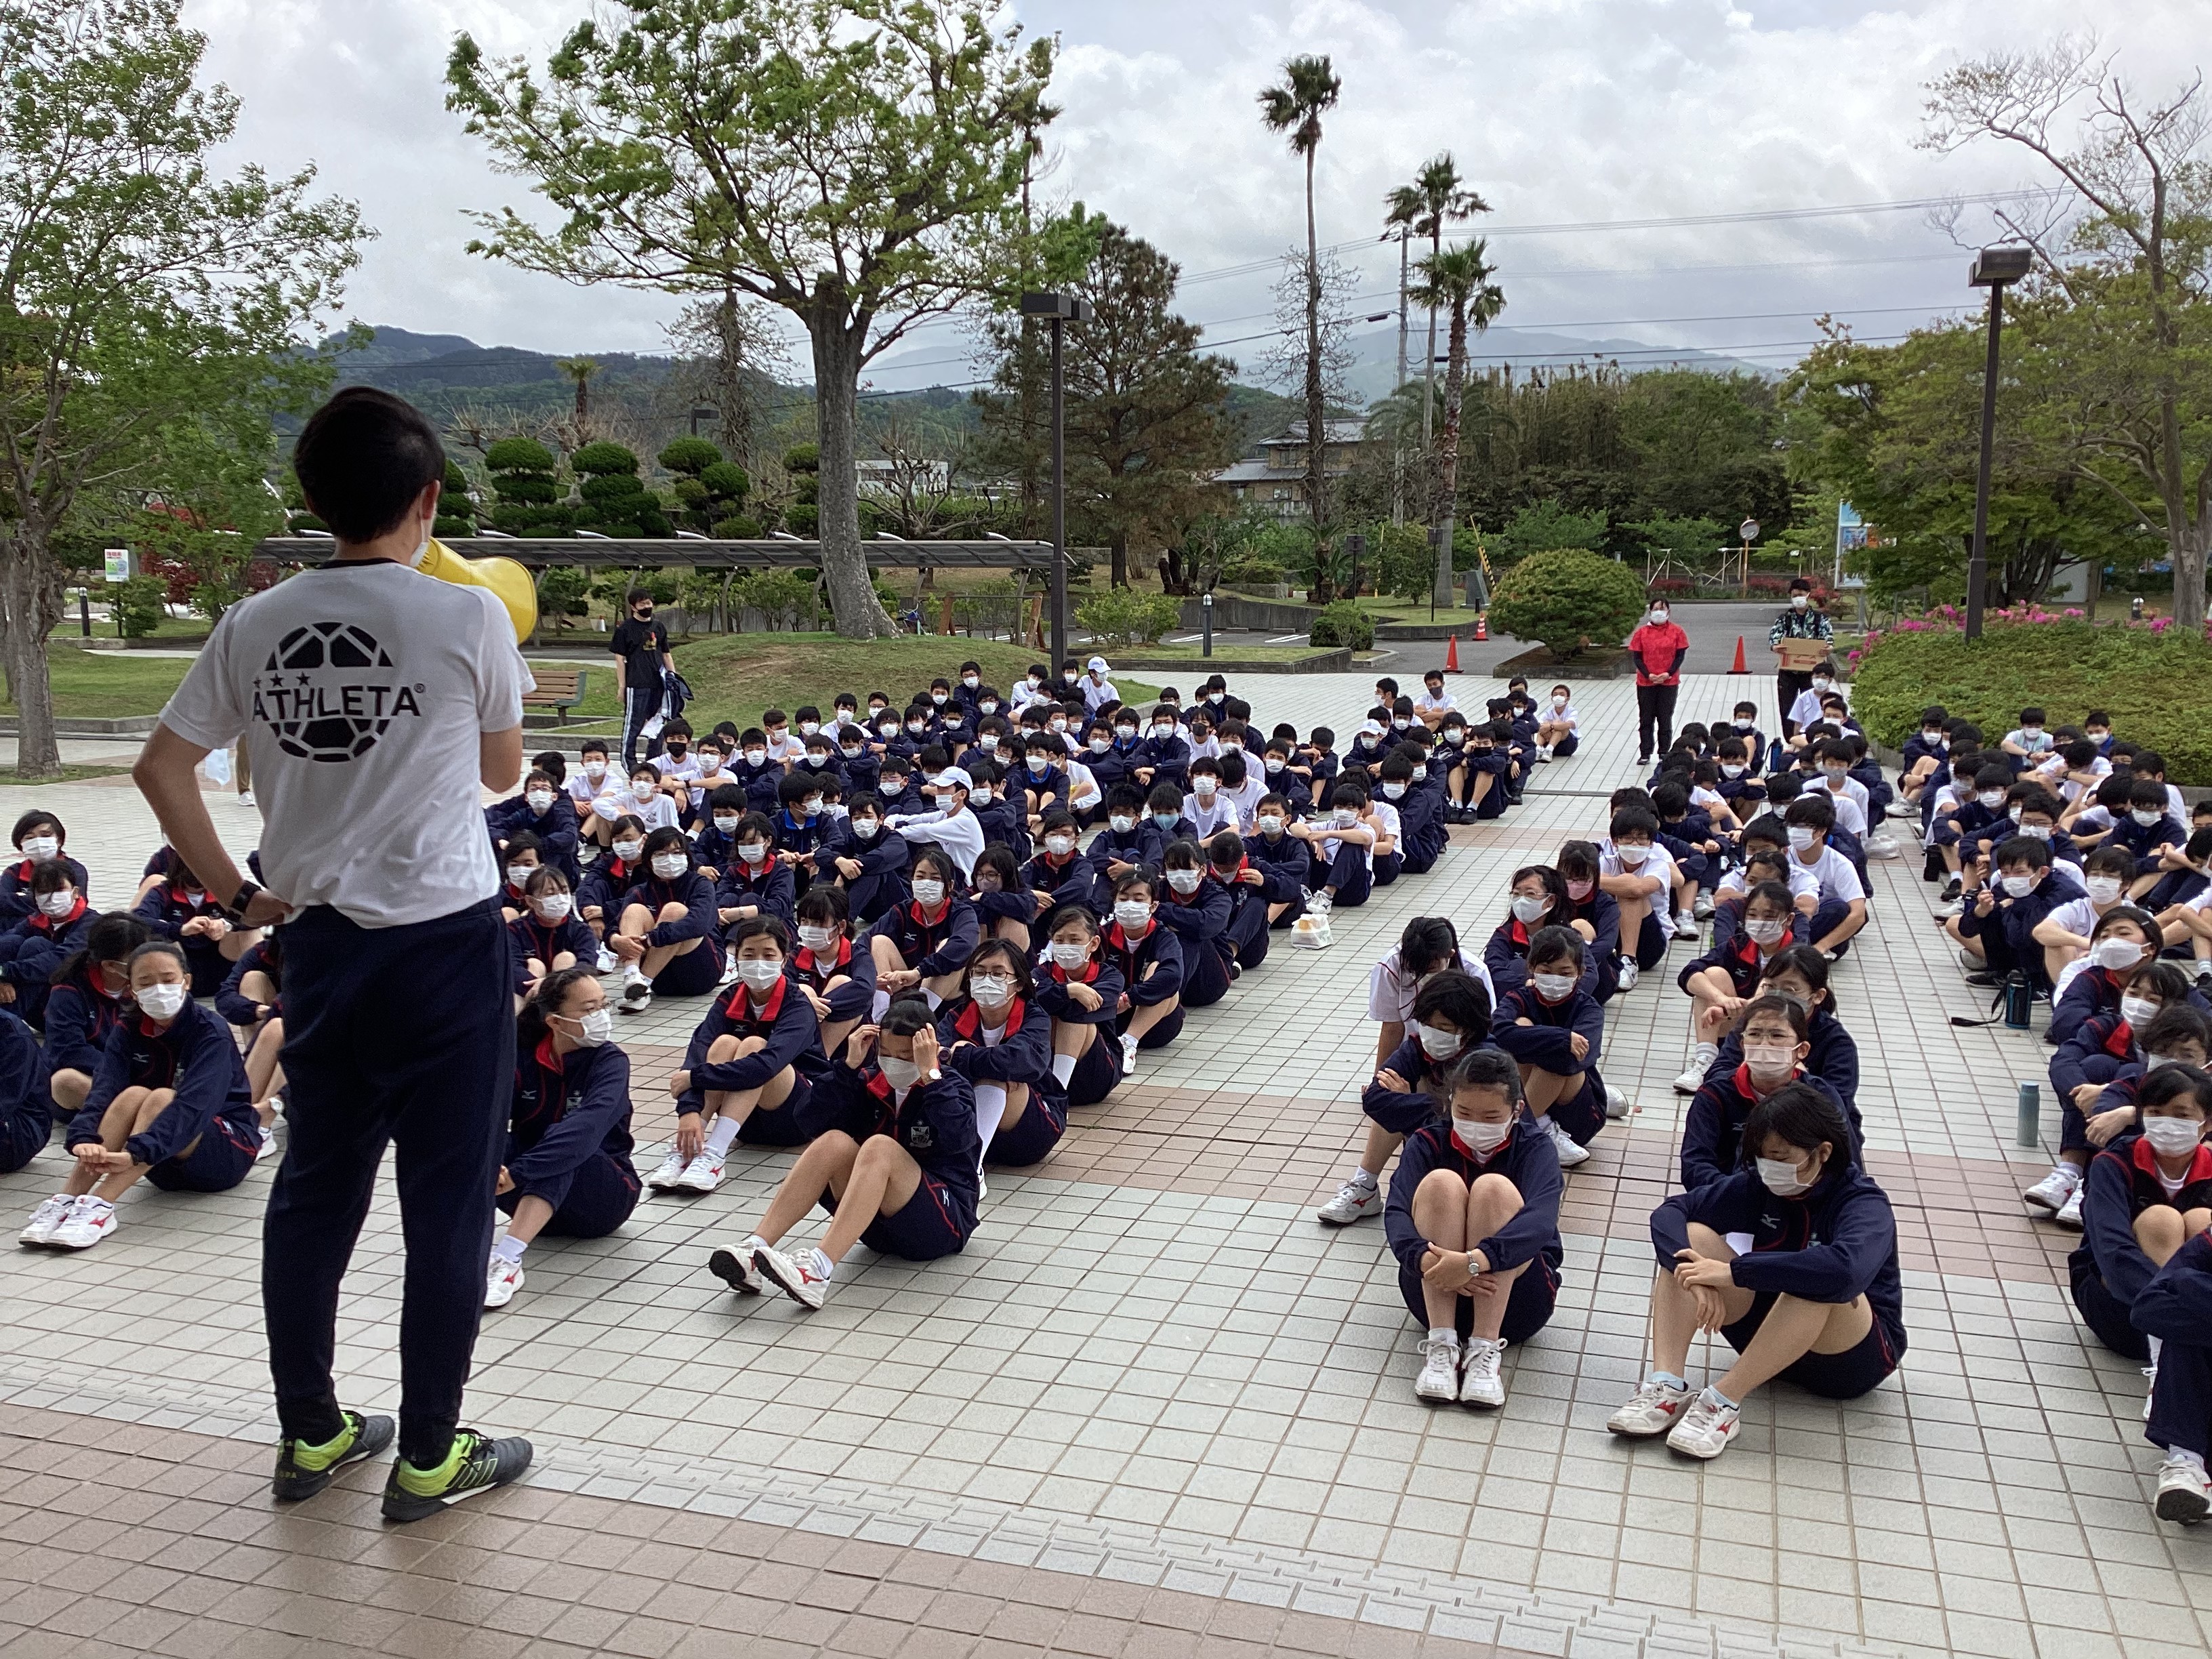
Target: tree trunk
pixel 1316 432
pixel 30 604
pixel 1448 461
pixel 853 602
pixel 1119 545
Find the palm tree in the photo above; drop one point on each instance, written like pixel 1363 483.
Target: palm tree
pixel 1458 282
pixel 1436 194
pixel 581 370
pixel 1309 91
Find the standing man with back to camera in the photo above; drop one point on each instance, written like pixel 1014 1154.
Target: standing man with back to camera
pixel 376 701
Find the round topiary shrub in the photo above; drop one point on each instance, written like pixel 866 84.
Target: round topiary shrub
pixel 1343 623
pixel 689 456
pixel 1567 599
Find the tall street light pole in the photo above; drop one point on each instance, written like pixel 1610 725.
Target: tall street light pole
pixel 1058 309
pixel 1993 268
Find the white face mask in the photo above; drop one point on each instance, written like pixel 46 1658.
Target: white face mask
pixel 989 743
pixel 518 873
pixel 901 1074
pixel 1632 853
pixel 1343 817
pixel 1527 908
pixel 753 852
pixel 2172 1136
pixel 2103 890
pixel 970 681
pixel 539 801
pixel 552 906
pixel 596 1027
pixel 1821 682
pixel 1125 733
pixel 1802 837
pixel 814 937
pixel 1134 914
pixel 1781 1179
pixel 756 757
pixel 811 807
pixel 595 769
pixel 850 750
pixel 929 894
pixel 1731 771
pixel 1991 798
pixel 1163 733
pixel 863 828
pixel 759 974
pixel 628 851
pixel 1070 956
pixel 1121 823
pixel 1552 987
pixel 1393 791
pixel 58 905
pixel 808 728
pixel 1099 745
pixel 2115 954
pixel 1185 881
pixel 1658 617
pixel 1797 601
pixel 2148 820
pixel 1435 1044
pixel 2139 1011
pixel 2018 886
pixel 1271 824
pixel 1274 763
pixel 159 1002
pixel 643 789
pixel 1059 846
pixel 1769 1061
pixel 1060 722
pixel 1558 702
pixel 992 990
pixel 668 866
pixel 1481 1138
pixel 1203 787
pixel 1764 930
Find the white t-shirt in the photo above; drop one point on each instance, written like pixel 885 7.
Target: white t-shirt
pixel 1552 716
pixel 2077 915
pixel 582 792
pixel 1838 879
pixel 1390 988
pixel 1211 820
pixel 362 691
pixel 1850 806
pixel 1441 702
pixel 655 812
pixel 1803 881
pixel 1385 822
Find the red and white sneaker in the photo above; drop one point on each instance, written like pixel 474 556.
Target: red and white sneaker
pixel 1654 1409
pixel 502 1278
pixel 90 1220
pixel 1704 1430
pixel 702 1174
pixel 798 1278
pixel 47 1220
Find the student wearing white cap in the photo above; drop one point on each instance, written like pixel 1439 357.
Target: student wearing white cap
pixel 1097 689
pixel 952 826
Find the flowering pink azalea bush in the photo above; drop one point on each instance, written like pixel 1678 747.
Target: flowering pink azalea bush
pixel 1951 618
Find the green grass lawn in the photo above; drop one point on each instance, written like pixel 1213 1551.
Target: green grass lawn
pixel 1226 652
pixel 108 685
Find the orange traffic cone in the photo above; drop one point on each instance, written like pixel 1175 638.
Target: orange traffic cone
pixel 1451 656
pixel 1482 625
pixel 1738 668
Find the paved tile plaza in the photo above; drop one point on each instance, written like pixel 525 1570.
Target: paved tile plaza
pixel 1154 1408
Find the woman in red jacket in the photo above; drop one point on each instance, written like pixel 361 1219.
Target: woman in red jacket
pixel 1658 647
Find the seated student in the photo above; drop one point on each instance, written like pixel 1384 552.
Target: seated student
pixel 2099 1048
pixel 2029 742
pixel 169 1102
pixel 1537 899
pixel 665 938
pixel 1276 862
pixel 714 843
pixel 1841 909
pixel 1553 1027
pixel 1639 875
pixel 1730 974
pixel 1058 875
pixel 184 913
pixel 539 811
pixel 598 897
pixel 2147 829
pixel 1005 906
pixel 521 859
pixel 2149 1192
pixel 549 936
pixel 1473 1219
pixel 1765 857
pixel 1973 816
pixel 996 1037
pixel 583 788
pixel 897 1164
pixel 1243 942
pixel 1774 1033
pixel 1205 809
pixel 1163 812
pixel 868 866
pixel 2121 940
pixel 2063 932
pixel 1352 850
pixel 754 881
pixel 1148 956
pixel 27 1101
pixel 748 1068
pixel 1196 907
pixel 1485 787
pixel 714 779
pixel 566 1172
pixel 1800 973
pixel 925 943
pixel 1812 1296
pixel 1081 992
pixel 1130 841
pixel 1743 727
pixel 1451 1013
pixel 84 1004
pixel 2182 877
pixel 797 825
pixel 2175 1309
pixel 2176 1034
pixel 1557 727
pixel 39 836
pixel 252 1001
pixel 32 949
pixel 640 798
pixel 832 970
pixel 1428 944
pixel 1590 911
pixel 1423 835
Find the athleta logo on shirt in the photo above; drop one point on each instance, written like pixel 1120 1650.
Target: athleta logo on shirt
pixel 315 694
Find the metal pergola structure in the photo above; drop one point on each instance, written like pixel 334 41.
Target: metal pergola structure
pixel 659 553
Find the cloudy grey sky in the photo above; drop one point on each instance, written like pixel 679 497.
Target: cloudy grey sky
pixel 1563 112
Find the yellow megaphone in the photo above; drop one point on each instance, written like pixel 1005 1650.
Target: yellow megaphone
pixel 512 584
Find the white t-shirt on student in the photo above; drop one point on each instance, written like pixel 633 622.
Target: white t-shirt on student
pixel 1838 878
pixel 1390 988
pixel 2077 916
pixel 1385 822
pixel 362 691
pixel 1850 806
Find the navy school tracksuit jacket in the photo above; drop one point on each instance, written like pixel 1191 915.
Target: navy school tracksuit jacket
pixel 564 1110
pixel 1022 1052
pixel 1545 1043
pixel 848 960
pixel 783 1020
pixel 240 1009
pixel 2122 1184
pixel 1712 1129
pixel 556 828
pixel 79 1015
pixel 1423 1103
pixel 936 1124
pixel 532 938
pixel 1834 1060
pixel 31 951
pixel 16 899
pixel 772 890
pixel 195 1056
pixel 1159 951
pixel 1526 1159
pixel 1099 974
pixel 932 947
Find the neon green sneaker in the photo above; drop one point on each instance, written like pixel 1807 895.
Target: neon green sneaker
pixel 475 1463
pixel 303 1470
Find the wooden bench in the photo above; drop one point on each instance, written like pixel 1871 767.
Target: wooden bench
pixel 558 689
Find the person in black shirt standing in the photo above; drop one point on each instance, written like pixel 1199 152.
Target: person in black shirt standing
pixel 641 651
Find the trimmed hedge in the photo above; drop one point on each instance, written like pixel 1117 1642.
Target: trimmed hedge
pixel 1343 623
pixel 2151 682
pixel 1566 599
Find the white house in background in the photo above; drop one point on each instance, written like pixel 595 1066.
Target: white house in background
pixel 1275 480
pixel 888 479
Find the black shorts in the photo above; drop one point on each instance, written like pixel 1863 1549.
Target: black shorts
pixel 2105 1313
pixel 218 1161
pixel 926 1227
pixel 1857 1370
pixel 788 1125
pixel 1033 1134
pixel 1528 1304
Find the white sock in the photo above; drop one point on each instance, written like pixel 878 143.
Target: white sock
pixel 1063 1069
pixel 1713 1396
pixel 1444 1334
pixel 718 1138
pixel 990 1106
pixel 1705 1054
pixel 754 1241
pixel 931 997
pixel 1668 1379
pixel 510 1248
pixel 2183 1454
pixel 1362 1178
pixel 823 1266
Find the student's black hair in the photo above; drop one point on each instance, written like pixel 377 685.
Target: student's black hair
pixel 1460 998
pixel 794 788
pixel 628 821
pixel 1138 878
pixel 1578 861
pixel 678 727
pixel 726 797
pixel 2035 855
pixel 774 717
pixel 52 877
pixel 2146 794
pixel 1349 791
pixel 1226 850
pixel 1206 766
pixel 1555 885
pixel 1800 1115
pixel 526 841
pixel 1632 821
pixel 1782 789
pixel 1774 1002
pixel 593 746
pixel 2111 861
pixel 1060 915
pixel 1487 1068
pixel 1428 944
pixel 1164 797
pixel 2147 760
pixel 942 862
pixel 1016 959
pixel 1396 769
pixel 160 947
pixel 1182 853
pixel 553 764
pixel 533 1023
pixel 1934 714
pixel 1810 811
pixel 1126 797
pixel 1671 798
pixel 907 1015
pixel 1556 943
pixel 31 819
pixel 2030 716
pixel 2164 980
pixel 2079 752
pixel 1775 893
pixel 2177 1021
pixel 1808 964
pixel 999 858
pixel 754 826
pixel 1233 771
pixel 361 460
pixel 667 838
pixel 2113 793
pixel 2198 848
pixel 2166 1084
pixel 545 878
pixel 1322 737
pixel 111 937
pixel 758 926
pixel 825 900
pixel 2120 913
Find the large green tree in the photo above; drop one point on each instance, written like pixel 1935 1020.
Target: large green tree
pixel 1146 419
pixel 1456 282
pixel 146 303
pixel 857 162
pixel 1309 91
pixel 1436 196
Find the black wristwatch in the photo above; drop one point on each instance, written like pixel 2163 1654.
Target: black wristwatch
pixel 247 892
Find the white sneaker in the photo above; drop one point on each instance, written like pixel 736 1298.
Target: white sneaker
pixel 1319 902
pixel 2182 1494
pixel 1686 927
pixel 90 1220
pixel 735 1269
pixel 1355 1201
pixel 2054 1190
pixel 1480 1385
pixel 1704 1430
pixel 1563 1145
pixel 245 797
pixel 607 963
pixel 797 1279
pixel 702 1174
pixel 1616 1104
pixel 2070 1212
pixel 1438 1382
pixel 669 1173
pixel 1128 1056
pixel 729 970
pixel 47 1220
pixel 1655 1408
pixel 1691 1080
pixel 1703 909
pixel 268 1144
pixel 502 1281
pixel 1951 908
pixel 636 997
pixel 1628 973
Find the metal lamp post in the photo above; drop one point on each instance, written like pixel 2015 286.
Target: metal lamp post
pixel 1058 309
pixel 1206 612
pixel 1993 268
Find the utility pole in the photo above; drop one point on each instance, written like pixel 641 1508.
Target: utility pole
pixel 1058 309
pixel 1398 440
pixel 1993 268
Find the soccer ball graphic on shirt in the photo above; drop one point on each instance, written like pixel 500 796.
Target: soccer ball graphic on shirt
pixel 313 699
